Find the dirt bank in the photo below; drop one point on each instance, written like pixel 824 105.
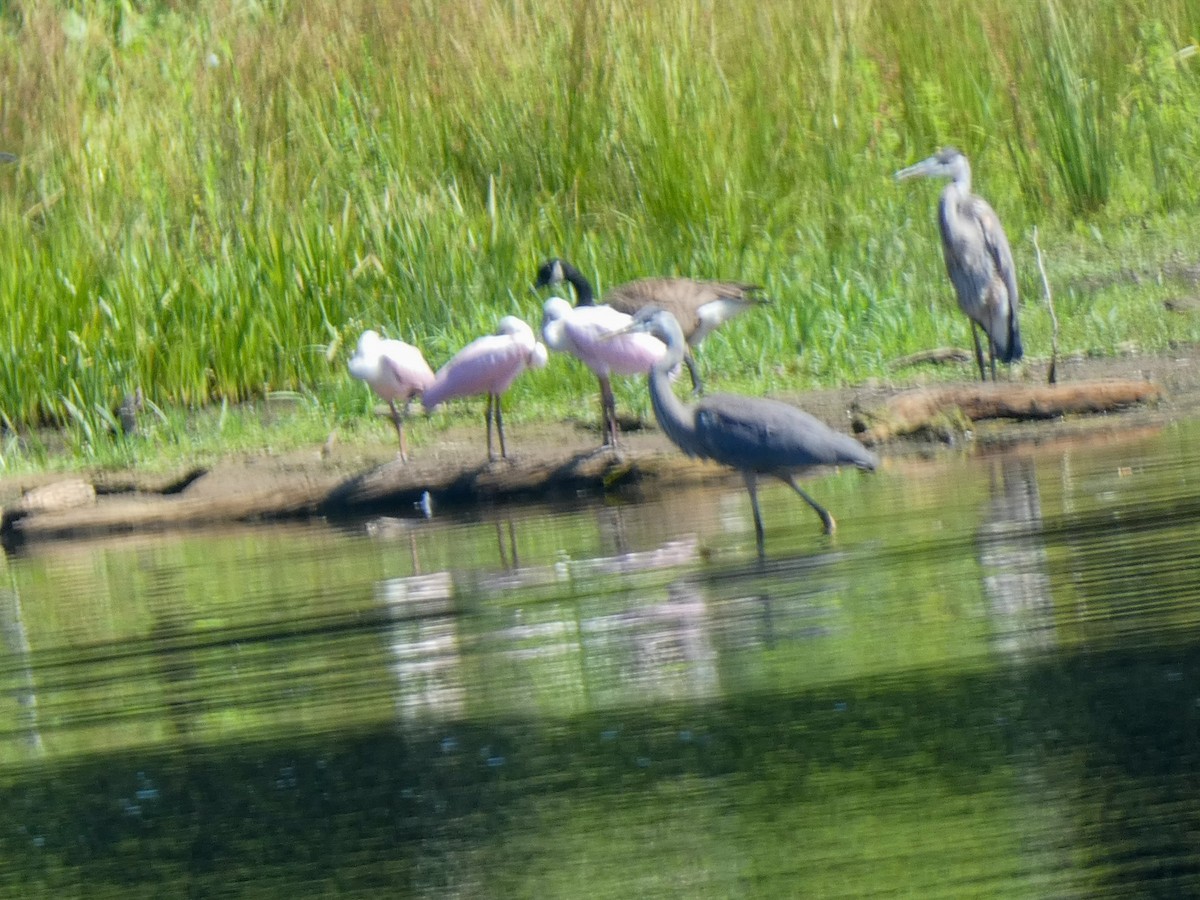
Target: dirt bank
pixel 550 460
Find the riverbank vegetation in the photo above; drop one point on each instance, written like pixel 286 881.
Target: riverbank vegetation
pixel 210 201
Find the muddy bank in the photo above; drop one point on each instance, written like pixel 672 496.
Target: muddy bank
pixel 549 461
pixel 554 463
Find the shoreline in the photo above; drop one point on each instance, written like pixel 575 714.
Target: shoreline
pixel 550 461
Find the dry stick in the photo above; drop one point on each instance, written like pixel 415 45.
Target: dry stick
pixel 1052 375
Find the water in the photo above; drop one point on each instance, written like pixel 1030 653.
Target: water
pixel 986 684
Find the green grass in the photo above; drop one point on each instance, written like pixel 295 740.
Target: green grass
pixel 211 203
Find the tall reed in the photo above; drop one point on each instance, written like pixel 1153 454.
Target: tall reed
pixel 1075 120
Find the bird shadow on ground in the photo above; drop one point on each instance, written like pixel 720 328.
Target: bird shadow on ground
pixel 399 489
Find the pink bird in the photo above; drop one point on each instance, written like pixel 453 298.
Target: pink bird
pixel 591 334
pixel 488 365
pixel 395 371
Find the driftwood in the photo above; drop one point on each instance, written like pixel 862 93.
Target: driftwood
pixel 939 408
pixel 937 356
pixel 65 494
pixel 1183 304
pixel 1052 369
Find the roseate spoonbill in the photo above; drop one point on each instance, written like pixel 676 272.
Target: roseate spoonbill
pixel 754 435
pixel 488 365
pixel 978 258
pixel 593 335
pixel 396 371
pixel 699 306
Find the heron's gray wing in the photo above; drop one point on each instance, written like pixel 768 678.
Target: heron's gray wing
pixel 767 435
pixel 996 242
pixel 1001 302
pixel 968 261
pixel 979 262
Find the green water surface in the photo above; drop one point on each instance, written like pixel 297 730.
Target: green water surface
pixel 986 684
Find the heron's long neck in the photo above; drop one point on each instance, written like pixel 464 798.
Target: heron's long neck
pixel 675 418
pixel 953 196
pixel 583 289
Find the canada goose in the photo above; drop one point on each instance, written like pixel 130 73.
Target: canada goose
pixel 698 306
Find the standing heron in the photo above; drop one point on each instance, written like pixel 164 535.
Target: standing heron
pixel 754 435
pixel 488 365
pixel 594 335
pixel 699 306
pixel 395 371
pixel 978 258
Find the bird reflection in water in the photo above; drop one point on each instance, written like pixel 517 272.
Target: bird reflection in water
pixel 659 644
pixel 425 645
pixel 1012 556
pixel 24 692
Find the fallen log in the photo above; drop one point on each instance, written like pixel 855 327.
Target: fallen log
pixel 938 356
pixel 940 409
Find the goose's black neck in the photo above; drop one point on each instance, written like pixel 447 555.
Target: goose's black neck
pixel 583 288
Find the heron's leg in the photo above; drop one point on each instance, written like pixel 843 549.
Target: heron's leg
pixel 979 352
pixel 398 421
pixel 488 420
pixel 752 486
pixel 992 356
pixel 694 370
pixel 503 551
pixel 608 407
pixel 500 426
pixel 826 518
pixel 512 542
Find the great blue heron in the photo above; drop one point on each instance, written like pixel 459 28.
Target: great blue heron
pixel 699 306
pixel 593 335
pixel 395 371
pixel 754 435
pixel 488 365
pixel 978 258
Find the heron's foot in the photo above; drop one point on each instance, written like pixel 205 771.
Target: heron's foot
pixel 617 455
pixel 614 450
